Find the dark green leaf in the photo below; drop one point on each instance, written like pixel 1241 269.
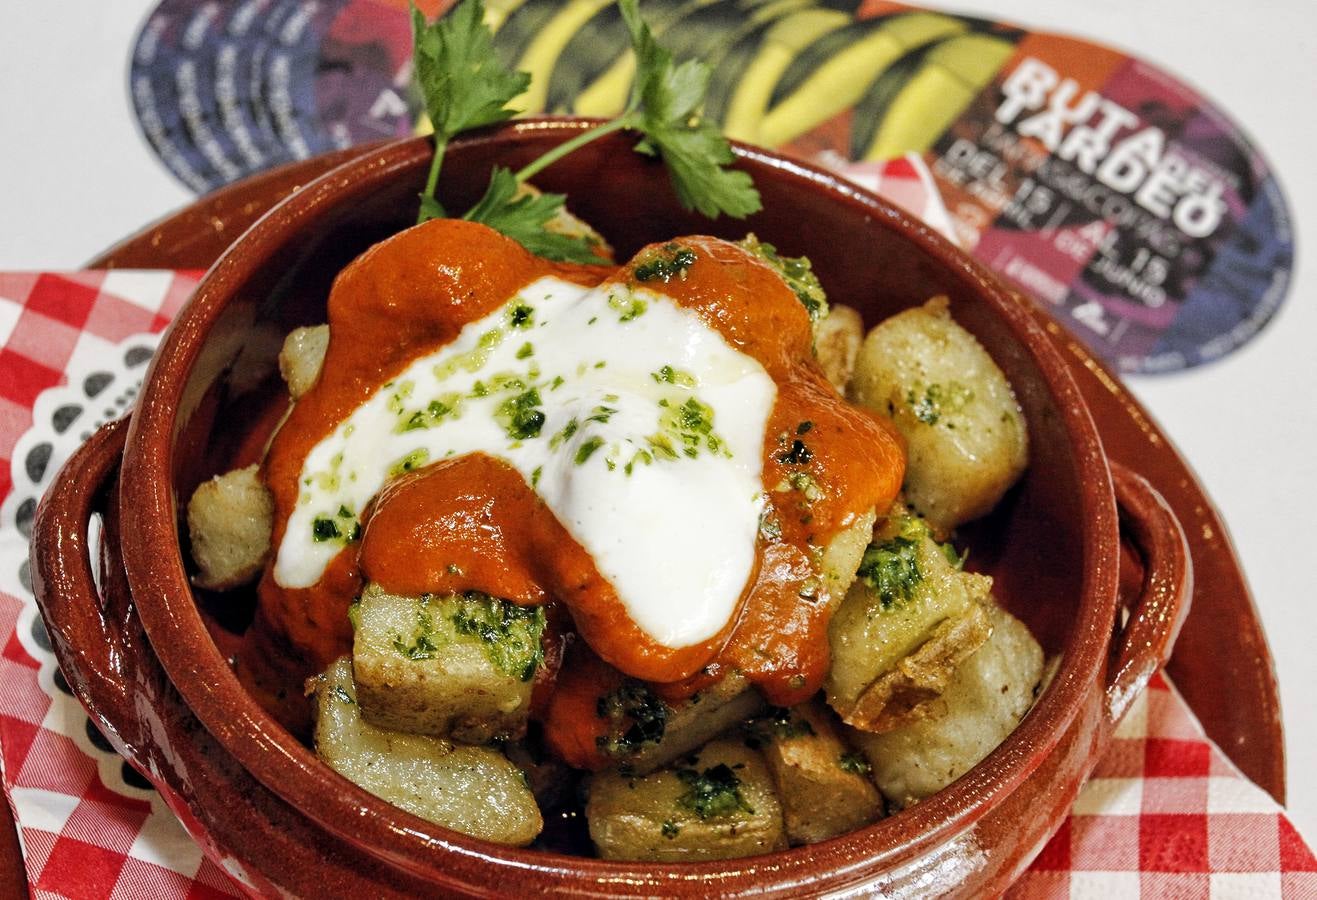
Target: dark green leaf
pixel 464 83
pixel 430 209
pixel 665 106
pixel 523 217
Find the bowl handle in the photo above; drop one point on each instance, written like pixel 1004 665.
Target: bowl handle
pixel 1160 600
pixel 89 622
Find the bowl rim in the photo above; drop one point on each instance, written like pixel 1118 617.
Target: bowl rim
pixel 207 684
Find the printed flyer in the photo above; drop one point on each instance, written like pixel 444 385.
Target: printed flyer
pixel 1121 199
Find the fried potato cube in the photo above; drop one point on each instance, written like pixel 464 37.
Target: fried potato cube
pixel 229 520
pixel 718 803
pixel 455 666
pixel 908 619
pixel 987 697
pixel 910 691
pixel 694 722
pixel 837 340
pixel 822 783
pixel 302 356
pixel 681 727
pixel 474 790
pixel 844 553
pixel 966 436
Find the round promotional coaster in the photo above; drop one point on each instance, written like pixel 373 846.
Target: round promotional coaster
pixel 363 85
pixel 225 90
pixel 156 100
pixel 1121 199
pixel 295 30
pixel 236 62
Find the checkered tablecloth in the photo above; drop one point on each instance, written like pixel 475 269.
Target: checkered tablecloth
pixel 1165 815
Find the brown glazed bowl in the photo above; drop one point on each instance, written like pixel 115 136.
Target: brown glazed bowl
pixel 1084 551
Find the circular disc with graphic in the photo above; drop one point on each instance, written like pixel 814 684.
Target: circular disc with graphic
pixel 1098 184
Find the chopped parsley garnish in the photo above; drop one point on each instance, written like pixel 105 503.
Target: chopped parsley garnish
pixel 324 529
pixel 665 263
pixel 473 360
pixel 341 695
pixel 342 527
pixel 627 308
pixel 786 723
pixel 798 455
pixel 521 416
pixel 854 763
pixel 447 406
pixel 565 434
pixel 410 462
pixel 587 448
pixel 804 427
pixel 521 316
pixel 796 272
pixel 804 483
pixel 511 633
pixel 685 430
pixel 421 648
pixel 535 476
pixel 399 398
pixel 891 568
pixel 423 644
pixel 644 457
pixel 669 375
pixel 636 718
pixel 601 414
pixel 525 351
pixel 670 829
pixel 713 793
pixel 936 401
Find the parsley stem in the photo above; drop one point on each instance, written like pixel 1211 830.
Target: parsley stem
pixel 436 163
pixel 574 144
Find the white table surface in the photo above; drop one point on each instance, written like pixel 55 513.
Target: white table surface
pixel 76 177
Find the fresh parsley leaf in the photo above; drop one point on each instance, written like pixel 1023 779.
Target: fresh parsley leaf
pixel 464 83
pixel 665 106
pixel 522 216
pixel 430 209
pixel 466 86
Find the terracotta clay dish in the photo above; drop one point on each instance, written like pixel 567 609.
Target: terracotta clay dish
pixel 228 803
pixel 1225 673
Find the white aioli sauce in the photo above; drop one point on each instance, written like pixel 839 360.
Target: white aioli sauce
pixel 673 532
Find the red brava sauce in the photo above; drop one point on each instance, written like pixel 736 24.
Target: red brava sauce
pixel 472 522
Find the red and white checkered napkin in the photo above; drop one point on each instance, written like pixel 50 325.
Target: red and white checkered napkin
pixel 1166 814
